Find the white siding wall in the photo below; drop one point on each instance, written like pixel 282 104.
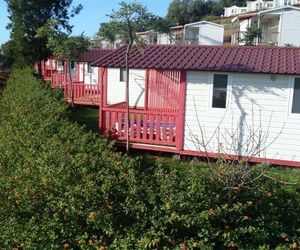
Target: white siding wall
pixel 116 89
pixel 243 28
pixel 81 65
pixel 163 39
pixel 255 102
pixel 211 34
pixel 290 29
pixel 88 78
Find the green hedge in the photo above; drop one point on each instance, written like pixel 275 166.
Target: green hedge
pixel 58 184
pixel 63 188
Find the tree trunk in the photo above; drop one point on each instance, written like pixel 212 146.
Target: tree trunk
pixel 71 83
pixel 39 68
pixel 127 95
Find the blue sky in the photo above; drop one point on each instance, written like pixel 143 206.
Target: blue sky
pixel 94 12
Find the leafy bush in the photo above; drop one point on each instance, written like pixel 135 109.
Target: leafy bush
pixel 58 184
pixel 63 188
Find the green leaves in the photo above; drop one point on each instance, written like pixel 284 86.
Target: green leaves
pixel 27 17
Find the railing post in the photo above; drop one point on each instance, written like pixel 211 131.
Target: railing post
pixel 181 115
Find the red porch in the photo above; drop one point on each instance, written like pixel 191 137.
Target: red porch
pixel 84 94
pixel 159 124
pixel 49 68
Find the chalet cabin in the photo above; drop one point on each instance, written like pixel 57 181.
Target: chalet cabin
pixel 207 101
pixel 279 26
pixel 198 33
pixel 86 84
pixel 203 33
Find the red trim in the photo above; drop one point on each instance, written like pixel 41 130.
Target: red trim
pixel 146 89
pixel 167 149
pixel 235 157
pixel 102 78
pixel 182 97
pixel 83 72
pixel 159 148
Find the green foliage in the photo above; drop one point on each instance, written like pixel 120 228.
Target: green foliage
pixel 6 56
pixel 181 12
pixel 63 45
pixel 57 183
pixel 251 34
pixel 61 187
pixel 128 20
pixel 26 17
pixel 69 47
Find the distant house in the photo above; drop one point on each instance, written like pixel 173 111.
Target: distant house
pixel 234 11
pixel 211 101
pixel 198 33
pixel 154 37
pixel 279 26
pixel 85 77
pixel 258 5
pixel 203 33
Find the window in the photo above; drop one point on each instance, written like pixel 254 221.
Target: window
pixel 219 91
pixel 296 97
pixel 89 67
pixel 72 65
pixel 122 75
pixel 60 65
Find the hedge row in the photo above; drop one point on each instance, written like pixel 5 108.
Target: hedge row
pixel 63 188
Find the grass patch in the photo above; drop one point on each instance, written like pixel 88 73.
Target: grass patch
pixel 85 116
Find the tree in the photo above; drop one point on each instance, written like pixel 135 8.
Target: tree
pixel 26 16
pixel 178 12
pixel 128 20
pixel 62 45
pixel 109 32
pixel 251 34
pixel 6 55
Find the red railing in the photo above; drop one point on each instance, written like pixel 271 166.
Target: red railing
pixel 58 80
pixel 50 66
pixel 83 93
pixel 164 90
pixel 47 75
pixel 151 127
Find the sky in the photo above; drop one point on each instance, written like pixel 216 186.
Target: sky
pixel 88 21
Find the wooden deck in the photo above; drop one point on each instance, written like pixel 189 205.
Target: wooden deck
pixel 151 127
pixel 83 94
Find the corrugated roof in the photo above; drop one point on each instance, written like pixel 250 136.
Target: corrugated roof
pixel 248 59
pixel 94 54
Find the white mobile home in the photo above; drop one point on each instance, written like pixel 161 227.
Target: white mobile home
pixel 279 26
pixel 207 101
pixel 203 33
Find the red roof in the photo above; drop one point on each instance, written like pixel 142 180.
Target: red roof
pixel 273 60
pixel 94 54
pixel 243 17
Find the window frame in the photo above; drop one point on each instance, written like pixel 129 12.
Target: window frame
pixel 228 87
pixel 89 68
pixel 120 74
pixel 291 97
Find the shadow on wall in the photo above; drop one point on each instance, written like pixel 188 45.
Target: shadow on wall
pixel 140 82
pixel 245 126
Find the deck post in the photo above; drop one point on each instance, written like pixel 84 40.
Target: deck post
pixel 146 89
pixel 102 79
pixel 65 72
pixel 181 117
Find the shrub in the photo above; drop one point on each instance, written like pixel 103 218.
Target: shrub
pixel 60 186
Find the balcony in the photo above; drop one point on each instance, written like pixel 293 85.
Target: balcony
pixel 269 38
